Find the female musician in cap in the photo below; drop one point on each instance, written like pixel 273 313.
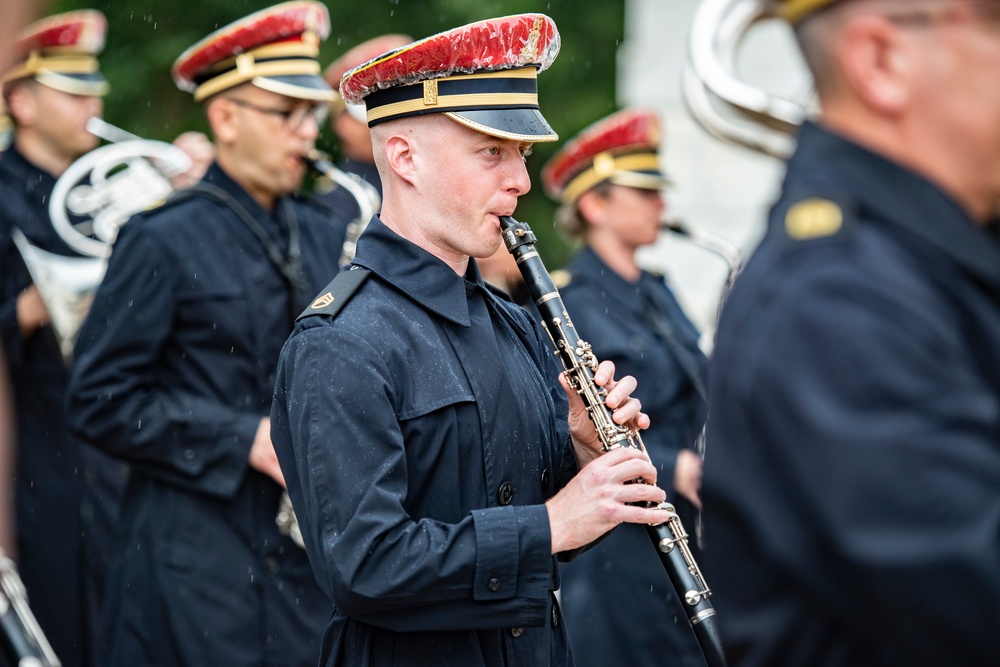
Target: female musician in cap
pixel 609 182
pixel 175 366
pixel 428 448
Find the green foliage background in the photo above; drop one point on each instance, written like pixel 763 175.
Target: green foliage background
pixel 146 36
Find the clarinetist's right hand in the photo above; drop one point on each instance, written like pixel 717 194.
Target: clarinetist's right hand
pixel 599 498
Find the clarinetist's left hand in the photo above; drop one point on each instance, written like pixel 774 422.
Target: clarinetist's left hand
pixel 627 410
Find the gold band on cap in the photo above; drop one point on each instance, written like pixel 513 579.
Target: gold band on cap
pixel 432 100
pixel 454 102
pixel 281 59
pixel 62 64
pixel 794 11
pixel 608 167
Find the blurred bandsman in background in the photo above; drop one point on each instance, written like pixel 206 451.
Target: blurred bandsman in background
pixel 608 181
pixel 52 88
pixel 175 365
pixel 351 127
pixel 417 413
pixel 852 490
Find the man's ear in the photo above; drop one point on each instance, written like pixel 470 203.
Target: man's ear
pixel 592 206
pixel 399 149
pixel 22 105
pixel 876 63
pixel 222 119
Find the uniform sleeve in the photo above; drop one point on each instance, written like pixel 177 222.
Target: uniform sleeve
pixel 334 426
pixel 862 441
pixel 117 400
pixel 10 287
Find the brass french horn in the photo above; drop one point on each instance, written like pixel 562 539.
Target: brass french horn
pixel 90 202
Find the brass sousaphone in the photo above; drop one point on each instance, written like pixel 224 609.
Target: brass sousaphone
pixel 727 107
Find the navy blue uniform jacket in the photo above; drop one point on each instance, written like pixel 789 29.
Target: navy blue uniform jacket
pixel 623 571
pixel 420 431
pixel 64 490
pixel 174 371
pixel 852 483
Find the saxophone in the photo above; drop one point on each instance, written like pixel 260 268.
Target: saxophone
pixel 578 360
pixel 369 202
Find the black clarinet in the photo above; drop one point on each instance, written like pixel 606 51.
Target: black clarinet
pixel 578 360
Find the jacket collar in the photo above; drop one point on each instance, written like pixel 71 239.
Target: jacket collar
pixel 588 264
pixel 417 273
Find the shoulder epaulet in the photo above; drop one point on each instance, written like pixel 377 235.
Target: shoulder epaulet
pixel 336 295
pixel 813 217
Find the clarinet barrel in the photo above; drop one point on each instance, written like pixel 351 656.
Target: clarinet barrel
pixel 669 537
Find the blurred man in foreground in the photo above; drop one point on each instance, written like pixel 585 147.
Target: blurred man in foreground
pixel 852 493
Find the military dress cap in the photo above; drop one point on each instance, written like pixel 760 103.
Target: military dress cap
pixel 359 55
pixel 621 148
pixel 274 49
pixel 482 75
pixel 60 52
pixel 794 11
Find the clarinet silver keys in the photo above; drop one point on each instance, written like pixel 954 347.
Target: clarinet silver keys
pixel 578 360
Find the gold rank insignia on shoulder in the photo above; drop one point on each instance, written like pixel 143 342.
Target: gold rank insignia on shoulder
pixel 322 302
pixel 813 218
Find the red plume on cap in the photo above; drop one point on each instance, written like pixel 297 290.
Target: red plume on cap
pixel 60 52
pixel 275 48
pixel 494 44
pixel 363 53
pixel 482 75
pixel 81 31
pixel 621 147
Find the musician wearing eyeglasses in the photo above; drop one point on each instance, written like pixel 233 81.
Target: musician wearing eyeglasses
pixel 852 491
pixel 609 181
pixel 52 86
pixel 175 365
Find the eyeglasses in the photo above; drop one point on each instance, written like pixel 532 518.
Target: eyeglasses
pixel 986 10
pixel 291 119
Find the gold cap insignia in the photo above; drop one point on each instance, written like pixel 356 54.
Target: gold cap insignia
pixel 323 301
pixel 431 92
pixel 813 218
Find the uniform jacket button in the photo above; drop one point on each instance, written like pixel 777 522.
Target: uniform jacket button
pixel 494 584
pixel 516 632
pixel 555 616
pixel 546 476
pixel 505 494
